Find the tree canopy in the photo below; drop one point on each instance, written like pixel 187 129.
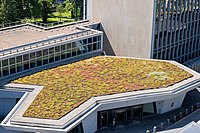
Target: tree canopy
pixel 15 10
pixel 9 11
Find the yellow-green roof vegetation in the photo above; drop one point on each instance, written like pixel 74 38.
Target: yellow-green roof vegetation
pixel 66 87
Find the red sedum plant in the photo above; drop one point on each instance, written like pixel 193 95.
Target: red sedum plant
pixel 66 87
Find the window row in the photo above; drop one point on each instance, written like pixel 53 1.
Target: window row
pixel 45 52
pixel 181 53
pixel 25 62
pixel 181 58
pixel 171 40
pixel 168 26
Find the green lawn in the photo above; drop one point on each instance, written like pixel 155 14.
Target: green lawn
pixel 54 17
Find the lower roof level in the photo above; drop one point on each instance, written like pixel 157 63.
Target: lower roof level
pixel 83 112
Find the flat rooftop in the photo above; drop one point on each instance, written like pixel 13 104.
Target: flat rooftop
pixel 68 86
pixel 28 33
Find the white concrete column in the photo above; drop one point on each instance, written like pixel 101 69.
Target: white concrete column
pixel 89 9
pixel 84 14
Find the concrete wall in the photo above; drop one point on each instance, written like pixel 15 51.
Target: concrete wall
pixel 127 25
pixel 90 123
pixel 170 104
pixel 2 130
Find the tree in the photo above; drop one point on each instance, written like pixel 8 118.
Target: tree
pixel 23 6
pixel 76 8
pixel 9 11
pixel 60 10
pixel 45 7
pixel 35 9
pixel 79 8
pixel 69 7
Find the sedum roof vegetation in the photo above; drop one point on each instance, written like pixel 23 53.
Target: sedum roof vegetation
pixel 66 87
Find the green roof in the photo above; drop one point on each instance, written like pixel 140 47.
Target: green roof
pixel 66 87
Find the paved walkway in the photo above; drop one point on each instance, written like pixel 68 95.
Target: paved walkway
pixel 193 117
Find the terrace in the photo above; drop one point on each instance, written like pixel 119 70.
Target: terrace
pixel 67 87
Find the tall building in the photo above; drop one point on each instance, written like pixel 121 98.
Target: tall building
pixel 156 29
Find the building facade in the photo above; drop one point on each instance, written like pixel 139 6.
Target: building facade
pixel 166 29
pixel 48 53
pixel 176 30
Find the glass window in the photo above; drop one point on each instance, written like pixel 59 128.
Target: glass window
pixel 12 69
pixel 63 47
pixel 79 50
pixel 45 52
pixel 45 60
pixel 51 50
pixel 63 55
pixel 90 48
pixel 99 38
pixel 26 65
pixel 32 55
pixel 95 46
pixel 73 45
pixel 39 62
pixel 85 41
pixel 25 57
pixel 5 71
pixel 69 46
pixel 19 67
pixel 57 48
pixel 95 39
pixel 39 53
pixel 85 49
pixel 19 59
pixel 12 61
pixel 57 56
pixel 69 54
pixel 74 52
pixel 51 58
pixel 5 62
pixel 99 45
pixel 90 40
pixel 32 64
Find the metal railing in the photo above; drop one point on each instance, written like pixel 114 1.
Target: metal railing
pixel 5 25
pixel 44 25
pixel 59 23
